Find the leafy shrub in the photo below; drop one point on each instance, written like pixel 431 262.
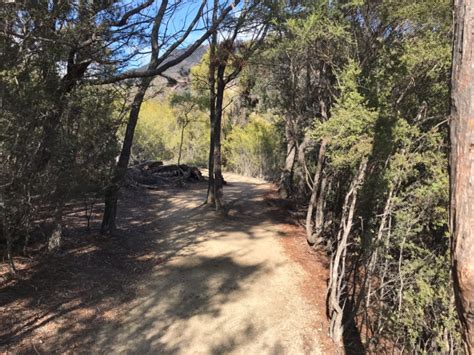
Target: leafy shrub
pixel 158 134
pixel 254 149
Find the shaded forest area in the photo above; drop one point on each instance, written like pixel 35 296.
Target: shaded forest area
pixel 344 105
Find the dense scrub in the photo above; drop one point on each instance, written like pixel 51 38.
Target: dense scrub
pixel 253 149
pixel 364 97
pixel 158 135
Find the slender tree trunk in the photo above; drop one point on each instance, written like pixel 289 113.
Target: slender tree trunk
pixel 181 143
pixel 218 179
pixel 383 275
pixel 210 188
pixel 212 109
pixel 319 212
pixel 321 198
pixel 286 178
pixel 112 191
pixel 310 236
pixel 301 159
pixel 9 238
pixel 366 288
pixel 337 269
pixel 462 168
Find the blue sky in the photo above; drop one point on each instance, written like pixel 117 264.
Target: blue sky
pixel 176 21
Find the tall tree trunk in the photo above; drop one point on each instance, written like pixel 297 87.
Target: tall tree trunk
pixel 218 179
pixel 373 248
pixel 111 192
pixel 59 200
pixel 55 239
pixel 321 196
pixel 310 236
pixel 462 168
pixel 9 239
pixel 212 109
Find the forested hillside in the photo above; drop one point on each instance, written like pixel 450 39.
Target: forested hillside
pixel 343 105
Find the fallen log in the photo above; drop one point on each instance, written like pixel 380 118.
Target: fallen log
pixel 154 173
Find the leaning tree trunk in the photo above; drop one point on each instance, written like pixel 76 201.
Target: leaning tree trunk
pixel 462 168
pixel 336 285
pixel 111 192
pixel 301 168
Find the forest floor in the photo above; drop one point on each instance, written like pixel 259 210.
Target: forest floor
pixel 176 279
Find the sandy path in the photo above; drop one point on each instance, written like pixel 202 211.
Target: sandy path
pixel 223 285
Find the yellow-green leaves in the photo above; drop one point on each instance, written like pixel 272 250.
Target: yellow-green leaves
pixel 350 129
pixel 253 149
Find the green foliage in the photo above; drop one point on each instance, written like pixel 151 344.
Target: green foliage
pixel 350 130
pixel 420 243
pixel 200 75
pixel 253 149
pixel 155 122
pixel 319 42
pixel 158 132
pixel 57 137
pixel 389 103
pixel 89 143
pixel 81 159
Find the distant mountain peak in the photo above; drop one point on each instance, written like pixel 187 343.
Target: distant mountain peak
pixel 179 72
pixel 183 69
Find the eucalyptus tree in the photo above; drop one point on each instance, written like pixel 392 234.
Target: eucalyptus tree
pixel 164 44
pixel 230 49
pixel 462 190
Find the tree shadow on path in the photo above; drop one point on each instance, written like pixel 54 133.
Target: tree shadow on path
pixel 123 293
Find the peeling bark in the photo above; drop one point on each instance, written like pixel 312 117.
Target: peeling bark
pixel 462 168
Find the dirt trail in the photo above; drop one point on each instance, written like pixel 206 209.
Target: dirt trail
pixel 212 284
pixel 225 284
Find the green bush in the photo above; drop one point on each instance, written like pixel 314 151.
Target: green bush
pixel 254 149
pixel 158 134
